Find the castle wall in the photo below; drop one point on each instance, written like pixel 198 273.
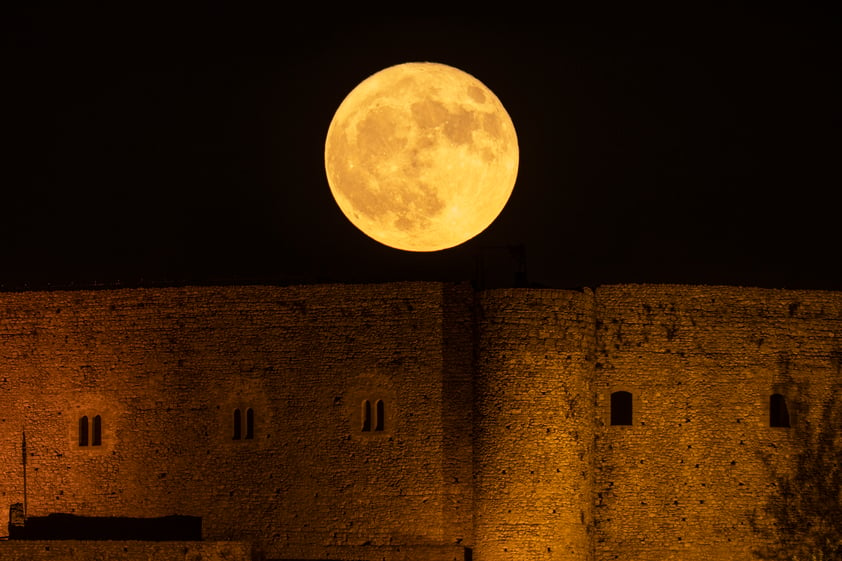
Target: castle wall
pixel 700 461
pixel 166 368
pixel 533 425
pixel 496 419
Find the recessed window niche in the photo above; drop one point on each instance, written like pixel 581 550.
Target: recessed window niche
pixel 241 417
pixel 91 428
pixel 371 407
pixel 622 408
pixel 778 411
pixel 375 422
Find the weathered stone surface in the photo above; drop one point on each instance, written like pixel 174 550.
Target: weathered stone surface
pixel 69 550
pixel 496 433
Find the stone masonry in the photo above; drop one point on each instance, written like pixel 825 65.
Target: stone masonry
pixel 418 420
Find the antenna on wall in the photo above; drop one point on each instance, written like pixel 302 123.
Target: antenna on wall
pixel 17 511
pixel 23 459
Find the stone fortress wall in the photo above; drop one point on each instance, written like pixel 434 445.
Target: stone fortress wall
pixel 487 432
pixel 701 460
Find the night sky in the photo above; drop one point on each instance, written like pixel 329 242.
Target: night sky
pixel 146 149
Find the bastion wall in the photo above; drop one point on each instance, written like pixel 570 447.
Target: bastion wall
pixel 694 474
pixel 534 425
pixel 420 420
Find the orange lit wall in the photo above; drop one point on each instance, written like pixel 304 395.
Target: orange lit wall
pixel 534 425
pixel 496 434
pixel 696 467
pixel 166 368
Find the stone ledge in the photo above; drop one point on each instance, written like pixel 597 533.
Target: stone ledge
pixel 104 550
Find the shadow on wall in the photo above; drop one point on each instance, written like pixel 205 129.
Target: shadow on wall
pixel 60 526
pixel 806 509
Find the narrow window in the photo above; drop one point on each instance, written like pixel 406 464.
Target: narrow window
pixel 379 420
pixel 83 431
pixel 96 438
pixel 621 408
pixel 249 423
pixel 366 415
pixel 238 421
pixel 778 412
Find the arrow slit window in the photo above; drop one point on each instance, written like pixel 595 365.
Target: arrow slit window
pixel 83 431
pixel 240 432
pixel 366 416
pixel 249 423
pixel 379 418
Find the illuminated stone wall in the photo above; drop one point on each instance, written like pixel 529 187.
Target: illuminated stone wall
pixel 693 474
pixel 166 368
pixel 534 425
pixel 696 466
pixel 496 433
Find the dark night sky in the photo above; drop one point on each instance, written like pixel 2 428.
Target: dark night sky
pixel 158 148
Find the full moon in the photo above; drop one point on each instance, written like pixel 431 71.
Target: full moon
pixel 421 156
